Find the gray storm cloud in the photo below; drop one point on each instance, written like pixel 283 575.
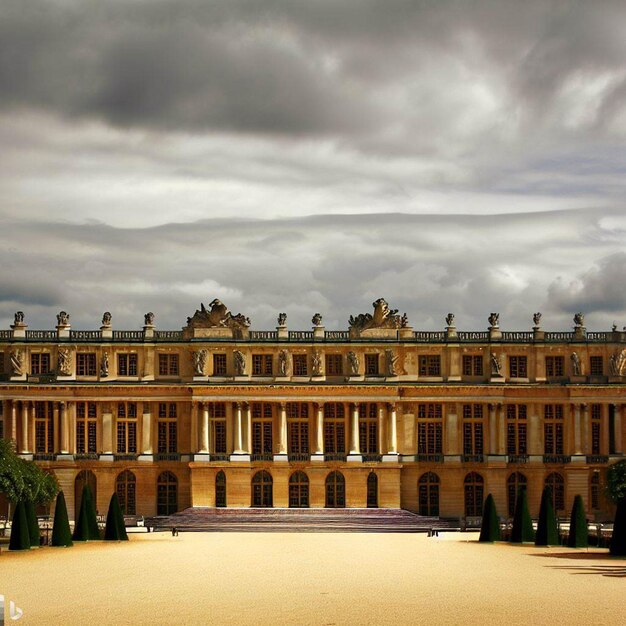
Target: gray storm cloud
pixel 312 156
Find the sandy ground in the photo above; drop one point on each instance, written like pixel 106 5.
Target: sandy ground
pixel 322 578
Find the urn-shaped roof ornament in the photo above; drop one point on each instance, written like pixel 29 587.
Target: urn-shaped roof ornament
pixel 63 318
pixel 106 319
pixel 148 319
pixel 316 320
pixel 579 320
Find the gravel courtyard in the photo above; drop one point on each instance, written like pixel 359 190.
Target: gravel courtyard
pixel 321 578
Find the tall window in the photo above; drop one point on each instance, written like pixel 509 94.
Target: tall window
pixel 300 367
pixel 372 365
pixel 262 424
pixel 555 366
pixel 126 488
pixel 368 428
pixel 429 428
pixel 298 427
pixel 39 363
pixel 596 428
pixel 262 489
pixel 86 364
pixel 86 427
pixel 335 491
pixel 473 433
pixel 516 429
pixel 594 491
pixel 557 485
pixel 43 428
pixel 168 364
pixel 217 417
pixel 220 489
pixel 334 428
pixel 428 494
pixel 472 365
pixel 2 363
pixel 429 365
pixel 596 365
pixel 127 428
pixel 474 489
pixel 261 364
pixel 334 365
pixel 219 364
pixel 553 428
pixel 127 364
pixel 518 367
pixel 167 494
pixel 298 490
pixel 167 428
pixel 513 484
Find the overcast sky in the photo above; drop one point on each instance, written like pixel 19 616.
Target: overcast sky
pixel 313 156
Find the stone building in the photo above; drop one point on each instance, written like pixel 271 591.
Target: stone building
pixel 379 415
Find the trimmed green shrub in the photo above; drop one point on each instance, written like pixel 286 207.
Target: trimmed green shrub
pixel 522 531
pixel 578 533
pixel 20 539
pixel 115 529
pixel 61 533
pixel 86 527
pixel 92 518
pixel 547 531
pixel 618 540
pixel 490 528
pixel 33 524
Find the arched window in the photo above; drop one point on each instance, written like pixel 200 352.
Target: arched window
pixel 85 477
pixel 474 488
pixel 335 490
pixel 167 494
pixel 298 490
pixel 594 491
pixel 220 489
pixel 513 484
pixel 125 486
pixel 372 491
pixel 428 494
pixel 557 485
pixel 262 489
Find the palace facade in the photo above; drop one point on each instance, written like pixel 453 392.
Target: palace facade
pixel 379 415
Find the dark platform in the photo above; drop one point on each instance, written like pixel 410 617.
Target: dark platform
pixel 298 520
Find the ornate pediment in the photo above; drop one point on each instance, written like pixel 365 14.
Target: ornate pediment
pixel 218 316
pixel 383 317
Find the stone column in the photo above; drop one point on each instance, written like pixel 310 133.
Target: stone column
pixel 204 429
pixel 577 430
pixel 146 430
pixel 319 423
pixel 107 431
pixel 393 430
pixel 65 428
pixel 14 421
pixel 500 414
pixel 535 446
pixel 452 431
pixel 617 428
pixel 493 430
pixel 282 431
pixel 354 431
pixel 55 427
pixel 382 448
pixel 238 430
pixel 25 424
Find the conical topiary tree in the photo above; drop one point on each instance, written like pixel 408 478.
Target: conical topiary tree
pixel 33 524
pixel 61 533
pixel 490 528
pixel 547 531
pixel 618 540
pixel 86 527
pixel 92 518
pixel 115 529
pixel 522 524
pixel 578 533
pixel 20 539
